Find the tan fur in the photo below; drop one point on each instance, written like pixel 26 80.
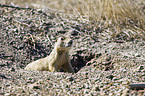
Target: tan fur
pixel 58 58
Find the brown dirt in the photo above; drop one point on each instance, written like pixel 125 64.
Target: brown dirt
pixel 102 65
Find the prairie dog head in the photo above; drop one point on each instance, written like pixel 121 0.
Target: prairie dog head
pixel 64 43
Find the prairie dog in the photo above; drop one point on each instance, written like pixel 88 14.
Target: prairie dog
pixel 58 58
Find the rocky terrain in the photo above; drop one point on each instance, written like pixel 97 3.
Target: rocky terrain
pixel 103 65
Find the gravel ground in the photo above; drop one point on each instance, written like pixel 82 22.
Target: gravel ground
pixel 102 66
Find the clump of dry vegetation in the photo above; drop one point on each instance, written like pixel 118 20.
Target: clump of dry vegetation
pixel 108 12
pixel 123 15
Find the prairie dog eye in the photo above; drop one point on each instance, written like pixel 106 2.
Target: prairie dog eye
pixel 62 38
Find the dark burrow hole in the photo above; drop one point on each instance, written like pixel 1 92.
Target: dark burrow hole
pixel 81 58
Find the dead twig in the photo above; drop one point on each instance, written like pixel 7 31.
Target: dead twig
pixel 3 5
pixel 137 86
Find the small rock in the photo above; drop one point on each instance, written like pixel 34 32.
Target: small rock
pixel 3 76
pixel 74 33
pixel 71 79
pixel 110 77
pixel 21 46
pixel 12 69
pixel 97 89
pixel 140 68
pixel 7 94
pixel 137 55
pixel 34 86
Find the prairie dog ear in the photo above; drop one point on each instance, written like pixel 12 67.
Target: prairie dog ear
pixel 68 33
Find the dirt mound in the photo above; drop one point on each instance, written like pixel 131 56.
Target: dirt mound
pixel 29 34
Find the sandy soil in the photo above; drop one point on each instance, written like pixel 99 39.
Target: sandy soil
pixel 103 66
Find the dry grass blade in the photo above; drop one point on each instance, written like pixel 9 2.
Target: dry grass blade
pixel 119 14
pixel 108 11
